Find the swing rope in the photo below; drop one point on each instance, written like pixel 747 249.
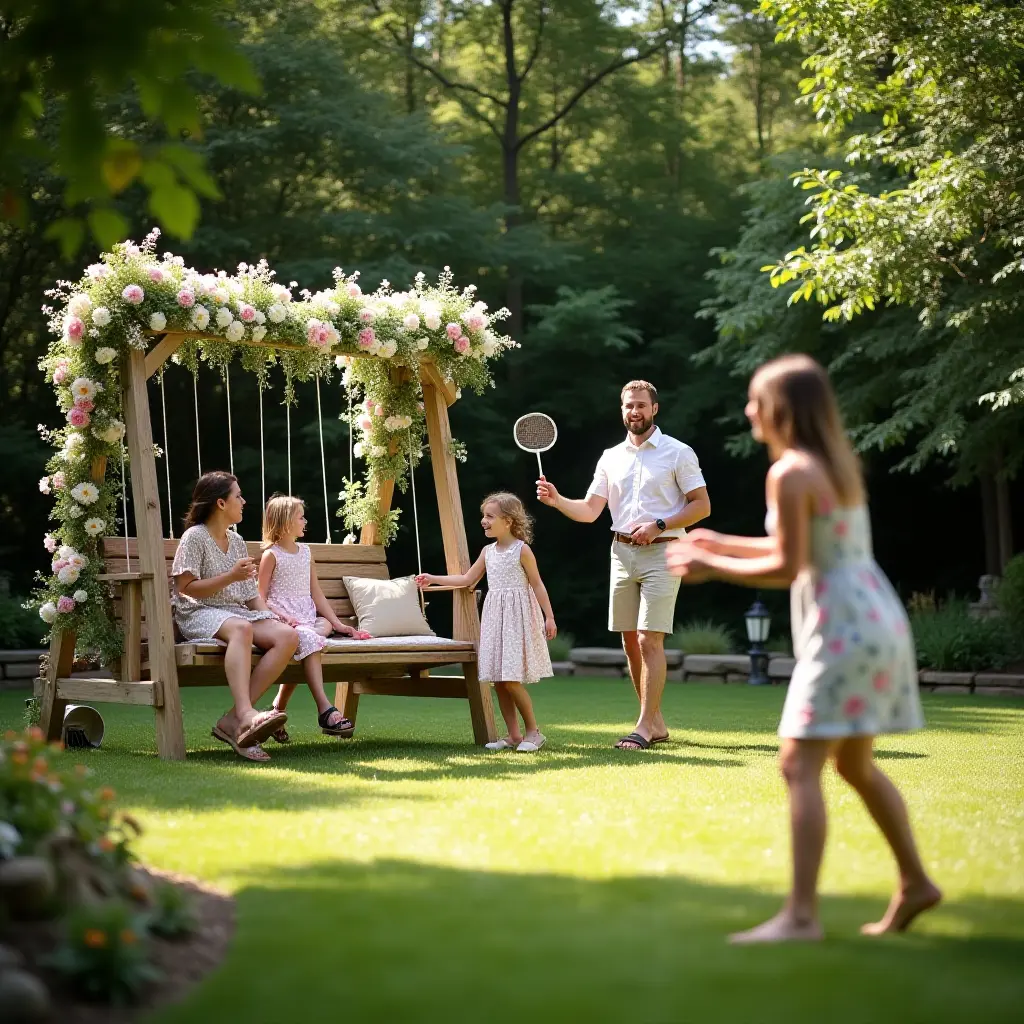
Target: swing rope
pixel 167 456
pixel 124 508
pixel 416 525
pixel 323 461
pixel 350 537
pixel 195 396
pixel 231 442
pixel 263 471
pixel 288 435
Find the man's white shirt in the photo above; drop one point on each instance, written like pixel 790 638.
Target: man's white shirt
pixel 645 483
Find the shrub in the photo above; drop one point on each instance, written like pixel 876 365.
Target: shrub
pixel 560 647
pixel 1010 593
pixel 949 639
pixel 701 637
pixel 19 627
pixel 173 915
pixel 103 955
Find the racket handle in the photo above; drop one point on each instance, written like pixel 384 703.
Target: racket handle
pixel 539 466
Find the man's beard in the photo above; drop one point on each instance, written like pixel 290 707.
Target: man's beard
pixel 638 428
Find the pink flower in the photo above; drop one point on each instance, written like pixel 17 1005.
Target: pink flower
pixel 247 313
pixel 186 299
pixel 836 646
pixel 462 346
pixel 85 404
pixel 367 316
pixel 453 331
pixel 366 423
pixel 156 274
pixel 476 321
pixel 50 543
pixel 367 337
pixel 44 485
pixel 59 564
pixel 854 706
pixel 353 290
pixel 66 604
pixel 60 374
pixel 74 328
pixel 78 417
pixel 881 682
pixel 58 480
pixel 841 528
pixel 806 715
pixel 133 293
pixel 378 410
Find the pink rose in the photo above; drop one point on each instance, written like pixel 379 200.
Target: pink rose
pixel 367 316
pixel 881 682
pixel 85 404
pixel 453 331
pixel 59 564
pixel 156 274
pixel 66 604
pixel 366 423
pixel 247 313
pixel 353 290
pixel 50 543
pixel 462 345
pixel 74 328
pixel 78 417
pixel 133 293
pixel 476 322
pixel 186 299
pixel 367 337
pixel 60 374
pixel 836 646
pixel 854 706
pixel 58 480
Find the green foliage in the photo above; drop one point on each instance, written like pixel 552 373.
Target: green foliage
pixel 19 625
pixel 62 61
pixel 103 953
pixel 1010 594
pixel 559 648
pixel 701 636
pixel 950 639
pixel 173 913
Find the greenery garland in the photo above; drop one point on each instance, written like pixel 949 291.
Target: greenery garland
pixel 132 293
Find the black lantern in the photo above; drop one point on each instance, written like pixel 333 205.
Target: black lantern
pixel 758 622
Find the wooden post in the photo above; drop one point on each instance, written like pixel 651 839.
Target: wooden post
pixel 170 733
pixel 382 490
pixel 62 657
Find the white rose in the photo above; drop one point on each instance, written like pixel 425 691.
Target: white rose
pixel 65 551
pixel 378 451
pixel 200 317
pixel 80 305
pixel 433 321
pixel 105 355
pixel 157 322
pixel 388 349
pixel 357 450
pixel 69 574
pixel 224 317
pixel 101 316
pixel 48 612
pixel 277 313
pixel 259 333
pixel 235 331
pixel 422 344
pixel 221 295
pixel 80 596
pixel 72 444
pixel 411 322
pixel 261 317
pixel 280 293
pixel 111 433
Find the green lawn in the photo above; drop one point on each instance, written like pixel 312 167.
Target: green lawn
pixel 407 876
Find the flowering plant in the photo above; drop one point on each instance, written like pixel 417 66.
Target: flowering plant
pixel 132 293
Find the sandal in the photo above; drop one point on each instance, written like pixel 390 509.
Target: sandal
pixel 531 747
pixel 634 741
pixel 344 728
pixel 281 735
pixel 660 739
pixel 503 744
pixel 260 727
pixel 251 753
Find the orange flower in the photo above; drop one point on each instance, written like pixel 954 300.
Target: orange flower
pixel 41 765
pixel 95 938
pixel 106 793
pixel 19 757
pixel 128 937
pixel 10 735
pixel 35 733
pixel 106 845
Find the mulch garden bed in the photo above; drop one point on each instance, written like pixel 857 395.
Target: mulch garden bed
pixel 181 963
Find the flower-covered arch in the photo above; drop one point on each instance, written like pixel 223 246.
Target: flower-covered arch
pixel 133 296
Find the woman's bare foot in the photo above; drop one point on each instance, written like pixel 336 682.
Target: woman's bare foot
pixel 904 907
pixel 783 927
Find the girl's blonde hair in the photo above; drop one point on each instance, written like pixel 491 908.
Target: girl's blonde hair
pixel 796 397
pixel 280 511
pixel 512 509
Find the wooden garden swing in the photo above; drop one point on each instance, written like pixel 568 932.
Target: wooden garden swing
pixel 153 667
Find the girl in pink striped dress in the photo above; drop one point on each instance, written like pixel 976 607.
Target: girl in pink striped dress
pixel 289 586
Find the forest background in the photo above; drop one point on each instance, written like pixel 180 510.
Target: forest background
pixel 617 174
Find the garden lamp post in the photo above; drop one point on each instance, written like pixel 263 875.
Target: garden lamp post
pixel 758 622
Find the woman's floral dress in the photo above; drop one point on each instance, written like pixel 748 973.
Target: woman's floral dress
pixel 856 672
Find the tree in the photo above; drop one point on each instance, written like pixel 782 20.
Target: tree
pixel 60 62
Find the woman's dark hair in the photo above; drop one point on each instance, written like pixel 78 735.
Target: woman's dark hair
pixel 209 489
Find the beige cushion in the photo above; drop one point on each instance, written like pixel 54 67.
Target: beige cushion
pixel 387 607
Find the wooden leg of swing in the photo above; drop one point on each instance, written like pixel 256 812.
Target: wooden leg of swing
pixel 62 656
pixel 481 708
pixel 346 700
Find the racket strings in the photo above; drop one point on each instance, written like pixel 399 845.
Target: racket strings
pixel 536 432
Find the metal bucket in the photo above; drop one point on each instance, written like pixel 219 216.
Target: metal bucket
pixel 83 727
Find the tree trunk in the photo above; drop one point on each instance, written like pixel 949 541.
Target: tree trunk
pixel 990 524
pixel 1003 520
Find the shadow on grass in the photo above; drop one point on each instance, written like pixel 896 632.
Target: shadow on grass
pixel 395 940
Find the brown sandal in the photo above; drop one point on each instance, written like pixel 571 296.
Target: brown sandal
pixel 254 752
pixel 261 726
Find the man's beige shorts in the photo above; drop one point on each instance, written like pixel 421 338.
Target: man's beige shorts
pixel 643 591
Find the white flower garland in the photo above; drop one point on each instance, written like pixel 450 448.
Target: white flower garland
pixel 132 291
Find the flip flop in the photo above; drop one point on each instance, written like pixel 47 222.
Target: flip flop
pixel 344 728
pixel 261 727
pixel 638 741
pixel 250 753
pixel 660 739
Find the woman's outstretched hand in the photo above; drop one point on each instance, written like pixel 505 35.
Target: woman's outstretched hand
pixel 686 560
pixel 424 580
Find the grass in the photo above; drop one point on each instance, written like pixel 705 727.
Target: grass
pixel 407 876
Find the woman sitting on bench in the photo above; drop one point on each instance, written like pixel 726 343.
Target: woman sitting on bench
pixel 215 595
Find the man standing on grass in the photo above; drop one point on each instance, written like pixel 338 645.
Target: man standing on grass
pixel 653 488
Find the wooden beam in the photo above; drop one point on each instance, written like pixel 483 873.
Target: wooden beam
pixel 170 732
pixel 108 691
pixel 433 686
pixel 131 624
pixel 383 490
pixel 429 373
pixel 466 620
pixel 481 707
pixel 53 706
pixel 162 351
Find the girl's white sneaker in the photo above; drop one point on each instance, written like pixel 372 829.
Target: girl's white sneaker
pixel 503 744
pixel 529 747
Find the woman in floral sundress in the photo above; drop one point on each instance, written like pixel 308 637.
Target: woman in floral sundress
pixel 856 673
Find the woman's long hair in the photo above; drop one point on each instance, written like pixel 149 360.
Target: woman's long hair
pixel 210 488
pixel 796 397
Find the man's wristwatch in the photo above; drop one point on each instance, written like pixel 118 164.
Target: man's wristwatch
pixel 660 524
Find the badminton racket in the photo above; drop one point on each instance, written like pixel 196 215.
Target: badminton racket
pixel 535 432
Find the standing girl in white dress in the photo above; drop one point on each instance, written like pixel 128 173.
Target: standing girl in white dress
pixel 215 595
pixel 289 585
pixel 517 618
pixel 856 673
